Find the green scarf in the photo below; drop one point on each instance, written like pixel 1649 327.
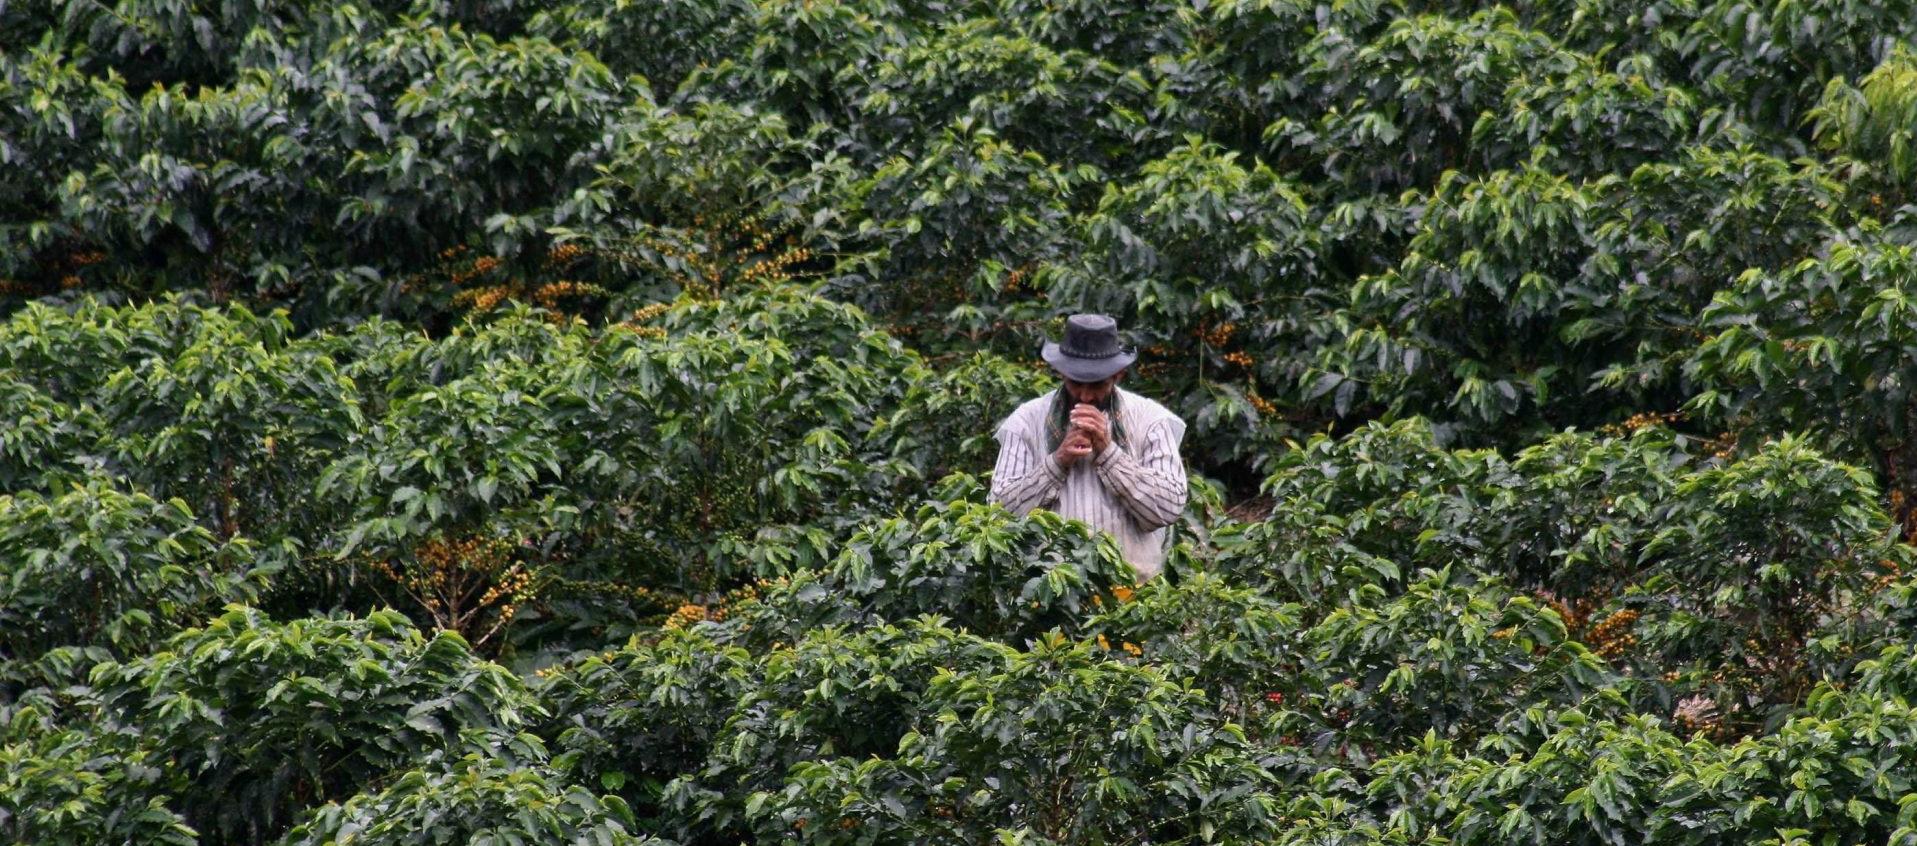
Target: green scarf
pixel 1059 421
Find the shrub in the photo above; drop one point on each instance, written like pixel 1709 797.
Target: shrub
pixel 254 720
pixel 98 566
pixel 502 796
pixel 1059 742
pixel 80 783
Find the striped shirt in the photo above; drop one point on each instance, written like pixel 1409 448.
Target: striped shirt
pixel 1132 493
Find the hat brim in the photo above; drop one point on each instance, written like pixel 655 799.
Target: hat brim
pixel 1086 369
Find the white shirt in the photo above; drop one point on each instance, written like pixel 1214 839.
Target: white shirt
pixel 1132 493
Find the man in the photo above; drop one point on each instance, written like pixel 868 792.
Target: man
pixel 1094 452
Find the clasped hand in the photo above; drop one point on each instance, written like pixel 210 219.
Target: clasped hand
pixel 1091 434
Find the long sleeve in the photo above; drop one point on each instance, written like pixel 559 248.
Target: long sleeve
pixel 1151 484
pixel 1023 480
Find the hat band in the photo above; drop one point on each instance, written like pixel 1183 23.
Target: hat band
pixel 1076 354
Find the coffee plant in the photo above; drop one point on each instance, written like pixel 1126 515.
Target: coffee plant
pixel 476 421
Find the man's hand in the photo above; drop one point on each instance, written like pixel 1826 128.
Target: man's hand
pixel 1075 446
pixel 1097 427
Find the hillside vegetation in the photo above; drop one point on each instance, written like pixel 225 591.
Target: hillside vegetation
pixel 492 422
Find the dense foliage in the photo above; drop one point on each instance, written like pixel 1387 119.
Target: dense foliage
pixel 491 422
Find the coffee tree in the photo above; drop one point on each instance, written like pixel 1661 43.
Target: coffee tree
pixel 256 720
pixel 482 421
pixel 99 567
pixel 477 798
pixel 67 783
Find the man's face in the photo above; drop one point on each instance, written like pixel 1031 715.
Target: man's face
pixel 1092 392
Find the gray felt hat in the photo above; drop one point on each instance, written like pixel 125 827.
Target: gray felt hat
pixel 1090 351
